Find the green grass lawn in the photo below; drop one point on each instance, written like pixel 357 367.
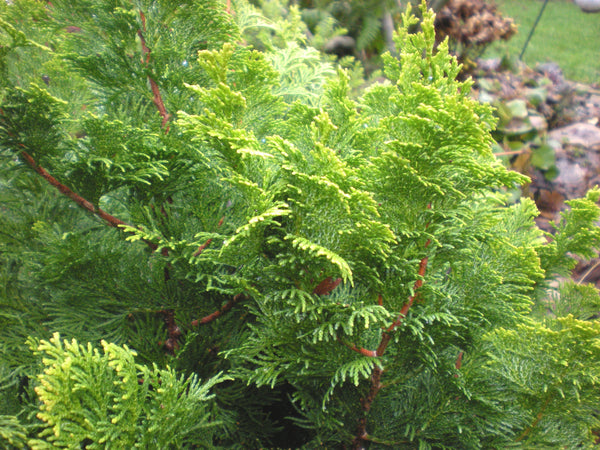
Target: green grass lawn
pixel 564 34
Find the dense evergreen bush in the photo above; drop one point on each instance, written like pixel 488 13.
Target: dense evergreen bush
pixel 198 250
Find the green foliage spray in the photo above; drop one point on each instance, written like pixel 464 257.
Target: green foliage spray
pixel 200 251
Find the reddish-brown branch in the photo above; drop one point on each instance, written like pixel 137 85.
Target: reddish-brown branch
pixel 458 363
pixel 143 18
pixel 202 247
pixel 326 286
pixel 537 420
pixel 174 332
pixel 361 434
pixel 515 152
pixel 411 299
pixel 219 312
pixel 385 340
pixel 158 101
pixel 160 105
pixel 157 97
pixel 208 241
pixel 85 204
pixel 362 351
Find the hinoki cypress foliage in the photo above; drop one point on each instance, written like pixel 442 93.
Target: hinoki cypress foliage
pixel 198 250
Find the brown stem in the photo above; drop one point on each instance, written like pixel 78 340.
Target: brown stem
pixel 362 351
pixel 158 101
pixel 386 336
pixel 361 434
pixel 157 97
pixel 385 340
pixel 539 417
pixel 174 332
pixel 85 204
pixel 208 241
pixel 202 247
pixel 326 286
pixel 515 152
pixel 411 299
pixel 458 363
pixel 219 312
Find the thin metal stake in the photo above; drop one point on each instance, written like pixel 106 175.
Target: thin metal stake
pixel 533 29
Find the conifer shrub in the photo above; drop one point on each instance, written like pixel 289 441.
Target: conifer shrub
pixel 197 253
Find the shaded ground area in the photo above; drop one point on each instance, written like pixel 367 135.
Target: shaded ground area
pixel 549 129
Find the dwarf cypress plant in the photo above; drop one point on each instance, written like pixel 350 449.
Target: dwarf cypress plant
pixel 197 253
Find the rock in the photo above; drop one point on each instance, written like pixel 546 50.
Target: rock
pixel 340 46
pixel 556 119
pixel 588 6
pixel 593 105
pixel 538 122
pixel 489 65
pixel 580 134
pixel 572 178
pixel 536 96
pixel 552 71
pixel 517 108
